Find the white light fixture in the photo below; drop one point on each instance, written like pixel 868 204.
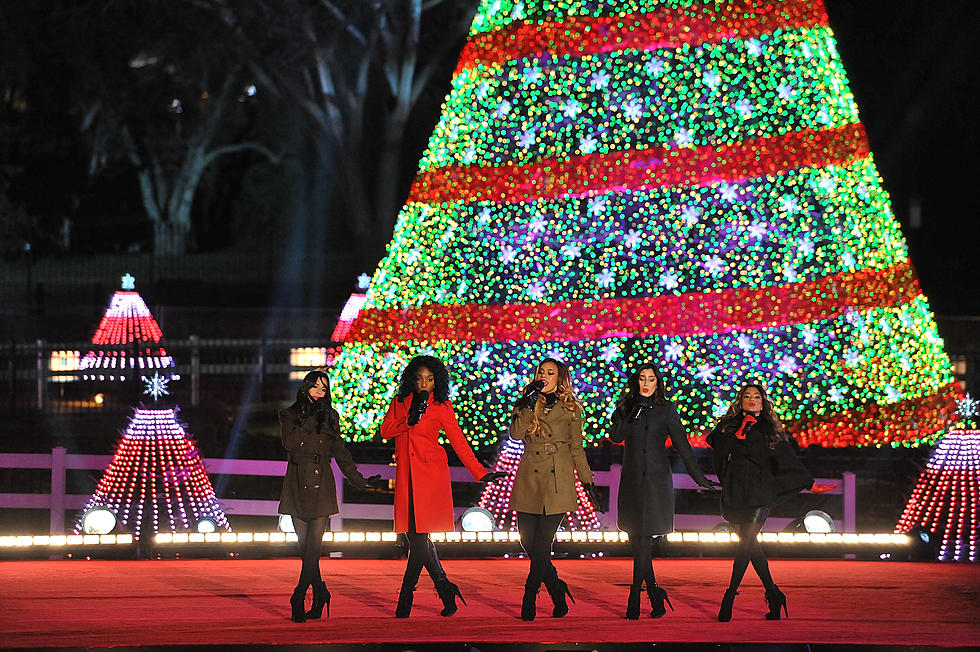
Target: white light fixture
pixel 206 526
pixel 816 521
pixel 477 519
pixel 286 524
pixel 98 520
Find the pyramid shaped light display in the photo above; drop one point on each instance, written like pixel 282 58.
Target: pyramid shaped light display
pixel 156 478
pixel 127 340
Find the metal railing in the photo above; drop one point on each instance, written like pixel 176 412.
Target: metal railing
pixel 58 502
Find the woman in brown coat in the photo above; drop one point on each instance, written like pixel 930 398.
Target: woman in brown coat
pixel 311 436
pixel 548 418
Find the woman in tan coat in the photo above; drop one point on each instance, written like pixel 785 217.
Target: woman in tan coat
pixel 548 418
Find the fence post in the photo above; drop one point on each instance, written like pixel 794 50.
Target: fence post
pixel 850 502
pixel 58 490
pixel 195 369
pixel 41 375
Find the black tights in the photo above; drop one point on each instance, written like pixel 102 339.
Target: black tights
pixel 537 535
pixel 750 550
pixel 421 553
pixel 309 536
pixel 643 560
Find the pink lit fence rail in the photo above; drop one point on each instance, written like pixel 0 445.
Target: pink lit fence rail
pixel 58 502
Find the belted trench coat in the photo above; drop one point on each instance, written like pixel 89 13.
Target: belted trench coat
pixel 545 480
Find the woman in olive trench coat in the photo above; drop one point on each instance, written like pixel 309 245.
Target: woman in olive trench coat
pixel 548 418
pixel 311 436
pixel 643 420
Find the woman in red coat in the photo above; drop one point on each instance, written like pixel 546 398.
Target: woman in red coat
pixel 423 494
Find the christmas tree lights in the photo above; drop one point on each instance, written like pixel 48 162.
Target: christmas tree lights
pixel 127 339
pixel 156 477
pixel 683 181
pixel 946 497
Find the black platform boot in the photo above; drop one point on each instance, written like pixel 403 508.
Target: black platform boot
pixel 776 600
pixel 321 599
pixel 528 602
pixel 633 603
pixel 297 603
pixel 448 592
pixel 725 612
pixel 557 589
pixel 658 597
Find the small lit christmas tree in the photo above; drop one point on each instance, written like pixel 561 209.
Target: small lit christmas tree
pixel 127 341
pixel 946 497
pixel 156 477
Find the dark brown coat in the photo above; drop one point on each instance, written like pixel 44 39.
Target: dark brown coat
pixel 308 490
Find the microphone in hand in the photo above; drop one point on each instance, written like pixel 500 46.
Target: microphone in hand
pixel 420 402
pixel 531 393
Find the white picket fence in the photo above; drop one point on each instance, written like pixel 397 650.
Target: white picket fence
pixel 58 502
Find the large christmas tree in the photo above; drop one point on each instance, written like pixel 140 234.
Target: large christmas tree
pixel 672 180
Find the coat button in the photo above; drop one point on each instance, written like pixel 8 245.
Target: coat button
pixel 316 471
pixel 535 470
pixel 316 486
pixel 301 443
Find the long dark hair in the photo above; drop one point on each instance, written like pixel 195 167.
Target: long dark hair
pixel 304 404
pixel 767 418
pixel 439 373
pixel 631 394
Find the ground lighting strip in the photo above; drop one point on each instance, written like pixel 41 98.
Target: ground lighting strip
pixel 451 537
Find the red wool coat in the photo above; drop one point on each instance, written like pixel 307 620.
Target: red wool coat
pixel 421 465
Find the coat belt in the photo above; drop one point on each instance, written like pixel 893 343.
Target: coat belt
pixel 548 448
pixel 297 458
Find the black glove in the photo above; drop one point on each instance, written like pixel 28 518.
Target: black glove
pixel 321 405
pixel 705 483
pixel 592 495
pixel 639 409
pixel 531 393
pixel 493 476
pixel 375 482
pixel 419 405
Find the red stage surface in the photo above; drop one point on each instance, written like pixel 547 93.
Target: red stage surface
pixel 244 602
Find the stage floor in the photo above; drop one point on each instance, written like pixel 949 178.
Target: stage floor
pixel 244 602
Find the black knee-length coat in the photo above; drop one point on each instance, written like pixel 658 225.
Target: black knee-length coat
pixel 308 490
pixel 646 488
pixel 753 474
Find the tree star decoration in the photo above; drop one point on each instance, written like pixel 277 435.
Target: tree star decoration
pixel 128 282
pixel 156 386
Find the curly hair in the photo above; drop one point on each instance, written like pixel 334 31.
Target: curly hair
pixel 767 416
pixel 441 376
pixel 564 392
pixel 631 394
pixel 305 404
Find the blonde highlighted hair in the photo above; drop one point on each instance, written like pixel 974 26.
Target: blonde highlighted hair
pixel 563 391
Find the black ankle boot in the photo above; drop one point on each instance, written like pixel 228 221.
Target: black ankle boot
pixel 321 599
pixel 657 597
pixel 776 601
pixel 725 612
pixel 297 604
pixel 406 596
pixel 557 589
pixel 448 592
pixel 528 603
pixel 633 603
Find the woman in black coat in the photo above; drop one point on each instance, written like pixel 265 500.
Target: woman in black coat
pixel 311 436
pixel 757 464
pixel 643 420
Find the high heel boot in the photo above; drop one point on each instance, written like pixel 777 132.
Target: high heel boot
pixel 406 596
pixel 448 592
pixel 528 603
pixel 297 604
pixel 657 596
pixel 725 612
pixel 558 589
pixel 321 599
pixel 633 603
pixel 776 600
